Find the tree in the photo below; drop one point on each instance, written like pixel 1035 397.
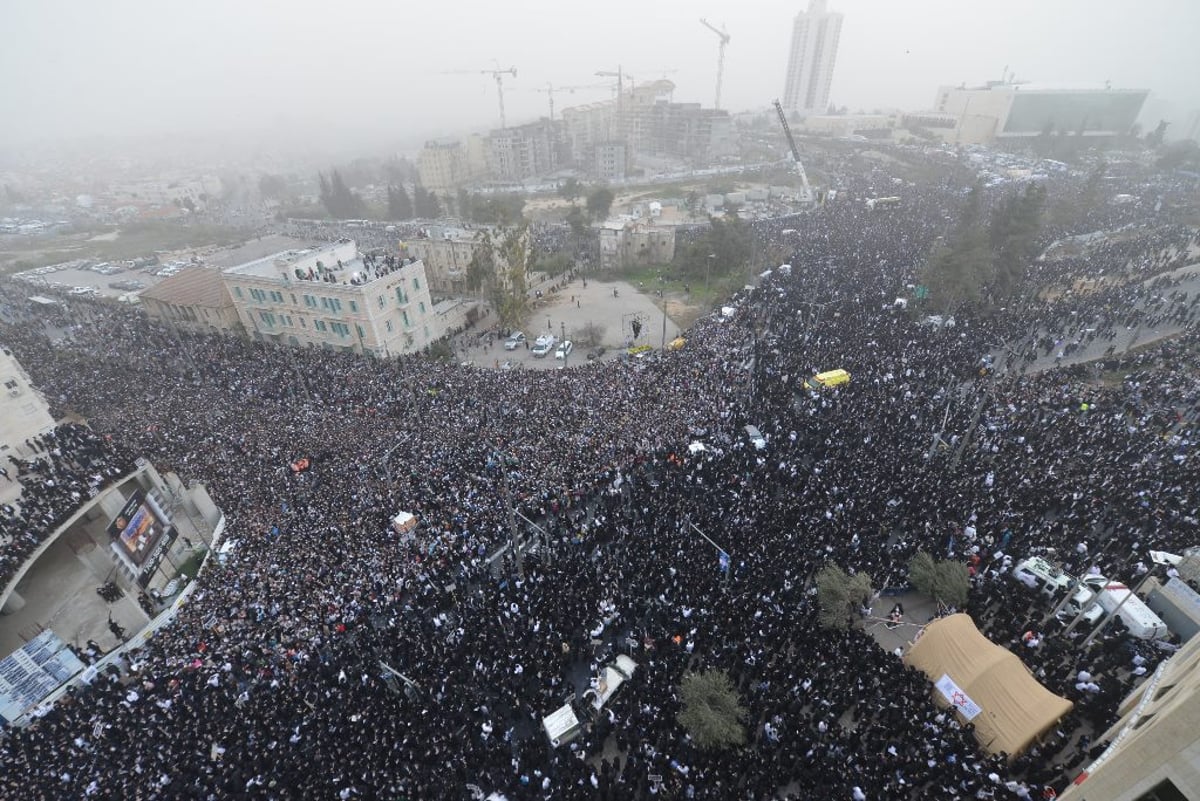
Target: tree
pixel 400 206
pixel 956 271
pixel 272 186
pixel 509 296
pixel 578 221
pixel 426 203
pixel 440 351
pixel 840 595
pixel 338 199
pixel 570 189
pixel 599 202
pixel 945 580
pixel 712 712
pixel 590 334
pixel 1014 233
pixel 728 241
pixel 481 270
pixel 553 265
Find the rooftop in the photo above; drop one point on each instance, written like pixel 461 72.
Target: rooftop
pixel 195 286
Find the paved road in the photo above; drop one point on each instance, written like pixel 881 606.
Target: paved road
pixel 1126 338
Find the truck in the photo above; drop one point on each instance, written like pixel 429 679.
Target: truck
pixel 1051 582
pixel 1113 596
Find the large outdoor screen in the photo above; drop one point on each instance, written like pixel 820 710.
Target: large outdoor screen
pixel 137 528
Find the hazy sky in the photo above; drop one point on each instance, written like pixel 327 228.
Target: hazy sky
pixel 369 70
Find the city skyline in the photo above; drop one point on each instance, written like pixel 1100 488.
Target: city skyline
pixel 133 68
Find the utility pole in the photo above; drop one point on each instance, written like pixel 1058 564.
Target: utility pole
pixel 721 552
pixel 508 507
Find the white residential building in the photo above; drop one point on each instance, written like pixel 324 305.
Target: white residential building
pixel 329 297
pixel 811 59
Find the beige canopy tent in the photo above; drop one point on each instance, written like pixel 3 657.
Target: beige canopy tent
pixel 987 685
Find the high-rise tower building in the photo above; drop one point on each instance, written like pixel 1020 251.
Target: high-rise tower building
pixel 810 62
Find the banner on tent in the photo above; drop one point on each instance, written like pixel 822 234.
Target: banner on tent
pixel 958 699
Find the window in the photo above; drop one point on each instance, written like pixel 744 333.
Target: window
pixel 361 333
pixel 400 295
pixel 416 283
pixel 310 301
pixel 404 314
pixel 302 323
pixel 237 290
pixel 353 306
pixel 320 325
pixel 382 301
pixel 294 299
pixel 388 323
pixel 10 383
pixel 1163 791
pixel 422 306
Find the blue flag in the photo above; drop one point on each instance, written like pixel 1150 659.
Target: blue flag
pixel 723 560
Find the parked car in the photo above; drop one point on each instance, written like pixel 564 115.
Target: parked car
pixel 756 438
pixel 83 290
pixel 564 350
pixel 515 340
pixel 544 344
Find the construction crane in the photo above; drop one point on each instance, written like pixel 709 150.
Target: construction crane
pixel 551 89
pixel 806 193
pixel 498 74
pixel 720 56
pixel 620 75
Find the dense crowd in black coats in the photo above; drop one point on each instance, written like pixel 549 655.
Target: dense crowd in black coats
pixel 62 469
pixel 268 684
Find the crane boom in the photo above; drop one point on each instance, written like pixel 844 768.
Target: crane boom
pixel 498 74
pixel 720 57
pixel 787 131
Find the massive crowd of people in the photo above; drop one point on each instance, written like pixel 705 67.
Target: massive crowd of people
pixel 269 683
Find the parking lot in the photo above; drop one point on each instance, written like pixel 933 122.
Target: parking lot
pixel 569 311
pixel 64 279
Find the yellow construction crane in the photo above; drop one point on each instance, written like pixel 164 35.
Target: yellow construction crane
pixel 550 89
pixel 498 74
pixel 720 56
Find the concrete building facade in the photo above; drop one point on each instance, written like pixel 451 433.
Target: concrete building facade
pixel 610 160
pixel 447 251
pixel 24 413
pixel 1014 111
pixel 330 298
pixel 195 299
pixel 1154 751
pixel 629 242
pixel 444 165
pixel 811 59
pixel 523 151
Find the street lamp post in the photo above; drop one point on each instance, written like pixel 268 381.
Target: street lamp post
pixel 708 274
pixel 721 552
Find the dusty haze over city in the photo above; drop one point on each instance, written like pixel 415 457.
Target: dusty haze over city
pixel 367 75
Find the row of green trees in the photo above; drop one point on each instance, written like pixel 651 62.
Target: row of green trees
pixel 985 258
pixel 840 594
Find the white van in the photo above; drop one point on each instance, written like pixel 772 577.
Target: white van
pixel 1039 574
pixel 1137 617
